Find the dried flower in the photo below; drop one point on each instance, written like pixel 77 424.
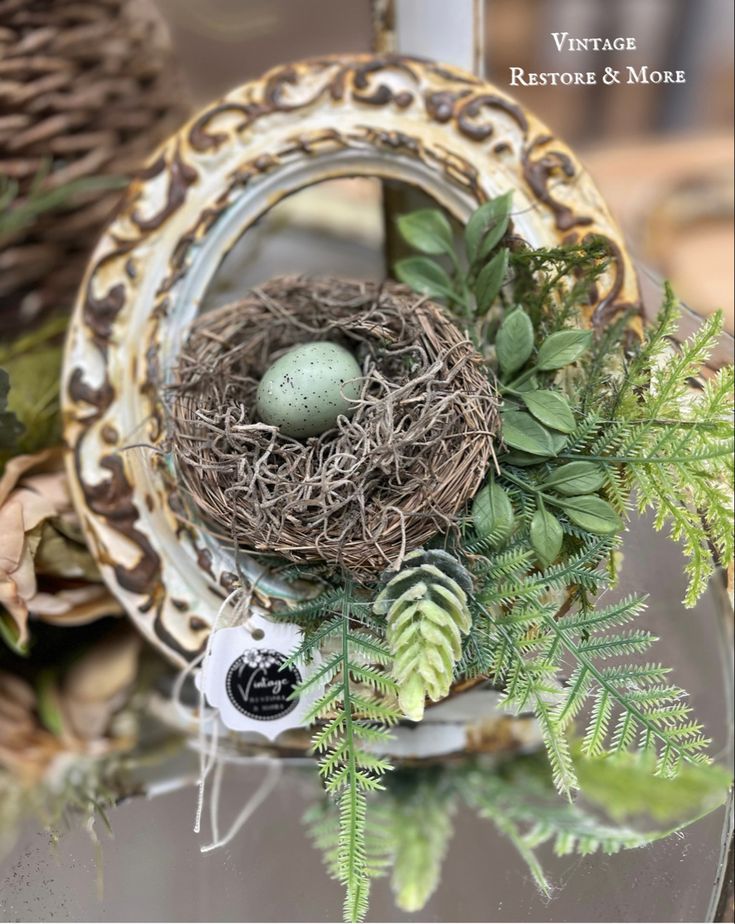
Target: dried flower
pixel 45 569
pixel 26 747
pixel 68 714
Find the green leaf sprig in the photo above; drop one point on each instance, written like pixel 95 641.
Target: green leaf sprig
pixel 591 423
pixel 19 211
pixel 469 277
pixel 537 419
pixel 539 415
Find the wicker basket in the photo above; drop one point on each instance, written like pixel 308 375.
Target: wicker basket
pixel 86 90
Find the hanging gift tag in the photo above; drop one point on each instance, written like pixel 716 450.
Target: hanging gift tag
pixel 245 679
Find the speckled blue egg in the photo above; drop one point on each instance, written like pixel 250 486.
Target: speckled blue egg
pixel 305 390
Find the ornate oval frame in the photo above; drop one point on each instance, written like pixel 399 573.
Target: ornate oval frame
pixel 458 138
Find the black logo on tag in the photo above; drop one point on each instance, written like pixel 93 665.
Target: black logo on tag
pixel 257 686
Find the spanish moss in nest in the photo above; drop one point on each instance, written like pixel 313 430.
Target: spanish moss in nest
pixel 380 483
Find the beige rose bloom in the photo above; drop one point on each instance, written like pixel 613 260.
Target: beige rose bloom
pixel 46 570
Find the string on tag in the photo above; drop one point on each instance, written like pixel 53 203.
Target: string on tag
pixel 209 756
pixel 233 611
pixel 266 787
pixel 244 685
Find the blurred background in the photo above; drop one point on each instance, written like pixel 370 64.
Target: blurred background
pixel 662 154
pixel 88 88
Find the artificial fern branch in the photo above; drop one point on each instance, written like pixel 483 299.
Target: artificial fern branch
pixel 354 713
pixel 593 427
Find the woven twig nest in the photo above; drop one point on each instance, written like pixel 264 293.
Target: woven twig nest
pixel 86 89
pixel 382 482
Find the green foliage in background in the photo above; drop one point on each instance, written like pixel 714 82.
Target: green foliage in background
pixel 410 821
pixel 31 368
pixel 19 212
pixel 10 427
pixel 30 365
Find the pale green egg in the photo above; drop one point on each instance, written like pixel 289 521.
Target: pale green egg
pixel 305 390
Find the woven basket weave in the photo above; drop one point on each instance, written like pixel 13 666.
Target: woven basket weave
pixel 87 88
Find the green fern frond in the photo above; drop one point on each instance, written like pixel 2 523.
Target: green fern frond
pixel 329 601
pixel 322 823
pixel 617 614
pixel 355 713
pixel 526 811
pixel 630 704
pixel 546 704
pixel 633 692
pixel 638 371
pixel 314 639
pixel 669 447
pixel 511 563
pixel 578 569
pixel 408 829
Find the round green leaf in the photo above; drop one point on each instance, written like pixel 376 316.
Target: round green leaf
pixel 576 478
pixel 492 513
pixel 562 348
pixel 514 342
pixel 592 513
pixel 427 230
pixel 546 535
pixel 425 276
pixel 520 431
pixel 551 408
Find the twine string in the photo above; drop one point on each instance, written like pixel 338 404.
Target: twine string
pixel 208 740
pixel 266 787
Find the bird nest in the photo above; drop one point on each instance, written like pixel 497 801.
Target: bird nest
pixel 381 482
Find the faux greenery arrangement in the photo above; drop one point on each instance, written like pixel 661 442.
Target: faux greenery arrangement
pixel 594 425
